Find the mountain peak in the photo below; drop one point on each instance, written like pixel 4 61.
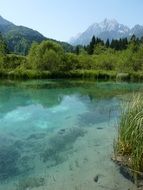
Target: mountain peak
pixel 108 24
pixel 107 29
pixel 108 21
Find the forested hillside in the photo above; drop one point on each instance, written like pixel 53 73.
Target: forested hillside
pixel 19 38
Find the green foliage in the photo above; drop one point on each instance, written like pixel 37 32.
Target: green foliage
pixel 107 44
pixel 85 62
pixel 106 62
pixel 120 44
pixel 66 46
pixel 70 62
pixel 17 43
pixel 99 49
pixel 90 48
pixel 19 39
pixel 93 43
pixel 12 61
pixel 49 59
pixel 46 56
pixel 3 46
pixel 130 60
pixel 3 50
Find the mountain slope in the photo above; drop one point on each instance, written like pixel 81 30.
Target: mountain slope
pixel 107 29
pixel 20 38
pixel 137 30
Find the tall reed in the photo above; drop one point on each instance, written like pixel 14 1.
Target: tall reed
pixel 130 136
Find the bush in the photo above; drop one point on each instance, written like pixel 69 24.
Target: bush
pixel 12 61
pixel 45 56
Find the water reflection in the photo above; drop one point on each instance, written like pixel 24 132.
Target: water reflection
pixel 51 93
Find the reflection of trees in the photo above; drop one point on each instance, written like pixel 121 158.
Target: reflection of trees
pixel 21 94
pixel 50 93
pixel 104 90
pixel 44 97
pixel 44 92
pixel 11 98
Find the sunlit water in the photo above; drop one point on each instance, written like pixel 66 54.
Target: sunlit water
pixel 58 135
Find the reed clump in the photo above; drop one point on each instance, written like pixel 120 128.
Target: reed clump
pixel 129 144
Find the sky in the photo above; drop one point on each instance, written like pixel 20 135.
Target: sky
pixel 62 19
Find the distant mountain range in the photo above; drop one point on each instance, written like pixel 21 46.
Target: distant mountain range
pixel 20 38
pixel 107 29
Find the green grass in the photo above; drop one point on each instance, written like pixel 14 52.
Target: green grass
pixel 130 137
pixel 76 74
pixel 21 73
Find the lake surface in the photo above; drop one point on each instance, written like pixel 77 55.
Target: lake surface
pixel 58 135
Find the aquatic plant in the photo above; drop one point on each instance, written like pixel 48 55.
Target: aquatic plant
pixel 61 142
pixel 130 137
pixel 8 162
pixel 30 182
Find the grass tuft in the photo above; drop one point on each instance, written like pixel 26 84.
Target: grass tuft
pixel 130 136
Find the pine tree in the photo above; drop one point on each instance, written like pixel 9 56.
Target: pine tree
pixel 90 48
pixel 134 43
pixel 77 50
pixel 107 44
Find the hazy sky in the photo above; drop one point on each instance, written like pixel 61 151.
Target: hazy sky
pixel 62 19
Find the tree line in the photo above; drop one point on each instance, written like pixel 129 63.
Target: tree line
pixel 123 55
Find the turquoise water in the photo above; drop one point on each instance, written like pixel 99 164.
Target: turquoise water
pixel 59 134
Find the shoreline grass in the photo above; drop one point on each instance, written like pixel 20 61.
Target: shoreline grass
pixel 129 145
pixel 76 74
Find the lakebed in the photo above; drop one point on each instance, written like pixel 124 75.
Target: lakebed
pixel 59 134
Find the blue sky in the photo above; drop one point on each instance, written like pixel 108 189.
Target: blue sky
pixel 62 19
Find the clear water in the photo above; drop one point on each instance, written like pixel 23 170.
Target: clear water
pixel 58 135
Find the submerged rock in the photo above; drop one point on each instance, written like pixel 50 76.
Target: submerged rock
pixel 99 128
pixel 96 178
